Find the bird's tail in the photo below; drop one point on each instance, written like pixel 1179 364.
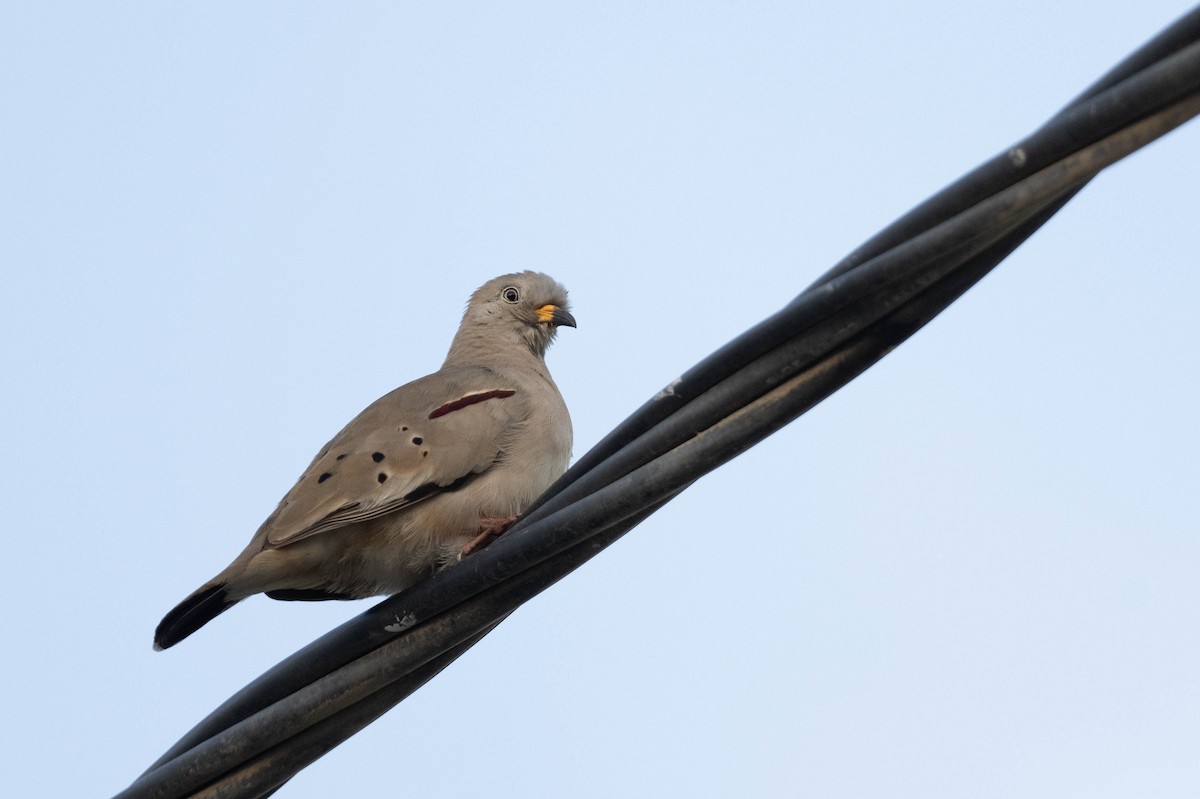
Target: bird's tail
pixel 191 614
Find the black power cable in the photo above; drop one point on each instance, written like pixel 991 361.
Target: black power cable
pixel 854 315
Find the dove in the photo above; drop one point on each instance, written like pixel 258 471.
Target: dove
pixel 423 476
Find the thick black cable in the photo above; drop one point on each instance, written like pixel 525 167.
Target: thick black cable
pixel 515 553
pixel 365 676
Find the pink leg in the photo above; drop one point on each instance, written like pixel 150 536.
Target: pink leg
pixel 490 528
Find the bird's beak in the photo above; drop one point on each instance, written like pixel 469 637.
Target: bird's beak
pixel 555 316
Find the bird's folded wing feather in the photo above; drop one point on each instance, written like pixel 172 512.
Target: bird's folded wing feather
pixel 429 436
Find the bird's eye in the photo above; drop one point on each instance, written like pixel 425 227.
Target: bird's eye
pixel 511 294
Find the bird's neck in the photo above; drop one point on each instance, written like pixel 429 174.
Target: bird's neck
pixel 481 346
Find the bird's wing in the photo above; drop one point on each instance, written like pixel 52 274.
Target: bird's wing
pixel 429 436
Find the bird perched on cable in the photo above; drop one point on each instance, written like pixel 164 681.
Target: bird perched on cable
pixel 424 475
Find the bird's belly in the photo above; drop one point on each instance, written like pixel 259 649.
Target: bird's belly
pixel 411 544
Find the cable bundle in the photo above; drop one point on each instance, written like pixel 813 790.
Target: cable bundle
pixel 851 317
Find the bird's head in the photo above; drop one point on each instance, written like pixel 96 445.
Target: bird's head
pixel 525 306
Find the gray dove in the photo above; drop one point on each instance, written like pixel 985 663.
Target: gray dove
pixel 424 475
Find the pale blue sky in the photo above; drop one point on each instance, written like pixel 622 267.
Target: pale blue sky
pixel 226 228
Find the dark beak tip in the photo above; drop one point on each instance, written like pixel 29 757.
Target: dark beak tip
pixel 564 319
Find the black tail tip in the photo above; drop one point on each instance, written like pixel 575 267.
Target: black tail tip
pixel 190 615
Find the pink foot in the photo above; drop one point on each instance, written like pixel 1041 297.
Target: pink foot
pixel 490 528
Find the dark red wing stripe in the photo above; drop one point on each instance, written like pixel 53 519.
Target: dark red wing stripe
pixel 470 399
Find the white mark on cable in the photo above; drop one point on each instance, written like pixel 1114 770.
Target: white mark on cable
pixel 1017 157
pixel 669 391
pixel 401 624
